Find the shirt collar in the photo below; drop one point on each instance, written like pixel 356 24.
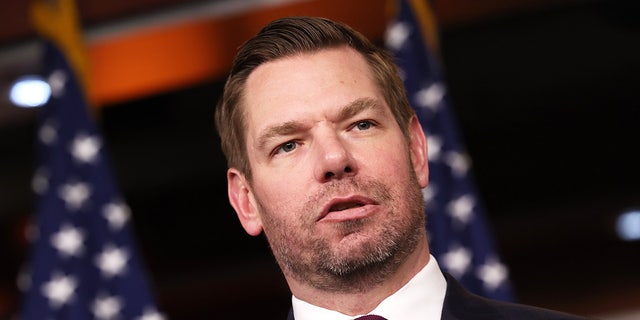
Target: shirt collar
pixel 420 298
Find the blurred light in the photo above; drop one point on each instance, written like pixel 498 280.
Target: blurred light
pixel 30 91
pixel 628 225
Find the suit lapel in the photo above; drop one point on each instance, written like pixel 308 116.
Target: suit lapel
pixel 462 304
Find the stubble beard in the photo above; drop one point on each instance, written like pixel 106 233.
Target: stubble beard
pixel 314 260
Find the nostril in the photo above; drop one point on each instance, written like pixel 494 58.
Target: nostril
pixel 337 174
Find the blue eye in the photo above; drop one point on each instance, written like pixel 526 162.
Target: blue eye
pixel 288 147
pixel 363 125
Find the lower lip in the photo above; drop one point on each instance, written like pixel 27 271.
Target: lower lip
pixel 350 214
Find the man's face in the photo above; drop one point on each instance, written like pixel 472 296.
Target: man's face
pixel 335 184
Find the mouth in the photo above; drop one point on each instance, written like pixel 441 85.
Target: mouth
pixel 347 208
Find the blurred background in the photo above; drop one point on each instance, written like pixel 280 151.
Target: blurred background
pixel 546 94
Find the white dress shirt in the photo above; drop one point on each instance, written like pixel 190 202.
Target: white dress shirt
pixel 421 298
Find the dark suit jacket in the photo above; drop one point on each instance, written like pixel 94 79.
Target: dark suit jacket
pixel 460 304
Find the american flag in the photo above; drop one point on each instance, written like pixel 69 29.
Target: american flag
pixel 458 235
pixel 83 263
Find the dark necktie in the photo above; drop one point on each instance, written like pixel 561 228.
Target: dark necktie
pixel 371 317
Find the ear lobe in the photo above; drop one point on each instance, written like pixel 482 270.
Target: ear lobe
pixel 242 200
pixel 419 155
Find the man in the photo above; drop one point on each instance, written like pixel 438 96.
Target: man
pixel 327 158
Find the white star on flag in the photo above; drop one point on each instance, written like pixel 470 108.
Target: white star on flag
pixel 112 261
pixel 458 162
pixel 151 314
pixel 397 35
pixel 462 208
pixel 68 241
pixel 492 274
pixel 57 81
pixel 59 290
pixel 457 261
pixel 84 148
pixel 107 308
pixel 75 194
pixel 431 96
pixel 434 147
pixel 117 214
pixel 428 193
pixel 48 133
pixel 40 181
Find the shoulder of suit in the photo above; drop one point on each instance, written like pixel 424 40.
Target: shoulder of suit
pixel 460 304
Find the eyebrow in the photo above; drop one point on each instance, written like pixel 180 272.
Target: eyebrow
pixel 282 129
pixel 355 107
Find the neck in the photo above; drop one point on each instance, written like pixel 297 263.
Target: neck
pixel 353 302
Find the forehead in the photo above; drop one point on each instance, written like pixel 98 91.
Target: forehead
pixel 305 83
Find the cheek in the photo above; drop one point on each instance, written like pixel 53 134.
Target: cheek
pixel 386 164
pixel 279 199
pixel 286 181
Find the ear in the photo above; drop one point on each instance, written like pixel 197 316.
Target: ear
pixel 419 155
pixel 242 200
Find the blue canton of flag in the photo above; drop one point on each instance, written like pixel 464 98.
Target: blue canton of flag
pixel 83 263
pixel 458 236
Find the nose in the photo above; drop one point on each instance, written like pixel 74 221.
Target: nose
pixel 334 160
